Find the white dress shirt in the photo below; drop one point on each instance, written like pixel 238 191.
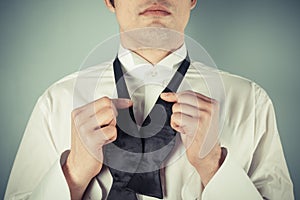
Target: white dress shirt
pixel 254 167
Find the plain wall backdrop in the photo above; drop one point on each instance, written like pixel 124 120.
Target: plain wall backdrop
pixel 41 41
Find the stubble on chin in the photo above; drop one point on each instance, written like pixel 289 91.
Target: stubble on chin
pixel 156 36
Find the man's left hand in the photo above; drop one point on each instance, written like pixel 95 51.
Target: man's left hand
pixel 196 117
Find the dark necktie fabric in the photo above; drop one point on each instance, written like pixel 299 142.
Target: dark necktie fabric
pixel 135 157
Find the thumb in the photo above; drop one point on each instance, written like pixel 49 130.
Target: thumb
pixel 122 103
pixel 169 96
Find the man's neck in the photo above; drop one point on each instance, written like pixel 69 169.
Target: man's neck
pixel 152 43
pixel 153 56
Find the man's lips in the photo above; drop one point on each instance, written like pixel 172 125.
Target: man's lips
pixel 156 11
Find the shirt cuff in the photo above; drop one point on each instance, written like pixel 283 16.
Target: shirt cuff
pixel 54 184
pixel 230 182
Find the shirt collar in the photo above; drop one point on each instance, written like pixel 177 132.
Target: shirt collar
pixel 131 60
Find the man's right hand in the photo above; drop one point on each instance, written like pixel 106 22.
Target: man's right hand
pixel 92 125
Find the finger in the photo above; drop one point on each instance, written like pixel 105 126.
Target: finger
pixel 106 116
pixel 177 128
pixel 190 99
pixel 185 123
pixel 103 117
pixel 181 97
pixel 122 103
pixel 201 96
pixel 173 97
pixel 186 109
pixel 91 108
pixel 193 99
pixel 97 121
pixel 99 137
pixel 87 126
pixel 108 133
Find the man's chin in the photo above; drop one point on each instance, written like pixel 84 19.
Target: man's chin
pixel 157 24
pixel 154 36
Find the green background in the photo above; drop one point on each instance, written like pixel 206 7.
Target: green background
pixel 43 40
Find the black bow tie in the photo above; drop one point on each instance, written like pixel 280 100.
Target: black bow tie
pixel 135 157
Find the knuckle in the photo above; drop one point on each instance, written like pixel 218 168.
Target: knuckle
pixel 209 107
pixel 111 133
pixel 74 113
pixel 114 121
pixel 198 113
pixel 113 130
pixel 114 137
pixel 175 117
pixel 105 100
pixel 109 130
pixel 110 115
pixel 189 91
pixel 198 102
pixel 172 118
pixel 214 107
pixel 173 125
pixel 175 107
pixel 214 101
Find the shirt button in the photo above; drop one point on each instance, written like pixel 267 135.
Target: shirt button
pixel 154 73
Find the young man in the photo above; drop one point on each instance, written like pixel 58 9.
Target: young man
pixel 246 162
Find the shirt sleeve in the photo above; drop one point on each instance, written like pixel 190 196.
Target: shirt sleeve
pixel 37 173
pixel 268 176
pixel 230 182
